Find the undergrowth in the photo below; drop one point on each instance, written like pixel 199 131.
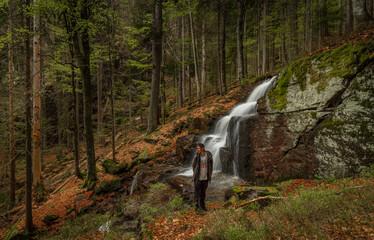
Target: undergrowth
pixel 79 227
pixel 312 214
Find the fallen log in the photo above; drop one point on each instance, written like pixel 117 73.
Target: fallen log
pixel 257 199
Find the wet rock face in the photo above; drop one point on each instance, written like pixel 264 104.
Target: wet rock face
pixel 235 157
pixel 185 146
pixel 325 129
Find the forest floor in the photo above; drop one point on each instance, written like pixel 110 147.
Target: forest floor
pixel 66 198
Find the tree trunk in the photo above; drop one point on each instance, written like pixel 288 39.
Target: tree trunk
pixel 112 97
pixel 11 111
pixel 223 46
pixel 348 17
pixel 163 90
pixel 194 50
pixel 258 17
pixel 361 17
pixel 203 63
pixel 75 102
pixel 283 35
pixel 156 62
pixel 308 26
pixel 59 117
pixel 99 81
pixel 340 27
pixel 370 4
pixel 245 57
pixel 75 110
pixel 37 160
pixel 181 68
pixel 82 51
pixel 28 119
pixel 294 29
pixel 219 22
pixel 239 40
pixel 265 49
pixel 183 88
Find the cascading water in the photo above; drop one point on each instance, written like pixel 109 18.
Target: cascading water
pixel 220 139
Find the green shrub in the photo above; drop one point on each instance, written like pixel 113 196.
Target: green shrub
pixel 78 227
pixel 305 216
pixel 161 199
pixel 368 172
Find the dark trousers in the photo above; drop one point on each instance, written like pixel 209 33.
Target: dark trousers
pixel 200 189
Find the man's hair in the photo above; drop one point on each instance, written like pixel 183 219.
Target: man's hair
pixel 200 145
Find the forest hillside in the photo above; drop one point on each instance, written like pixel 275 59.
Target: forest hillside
pixel 103 104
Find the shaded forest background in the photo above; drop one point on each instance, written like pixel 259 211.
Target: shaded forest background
pixel 79 71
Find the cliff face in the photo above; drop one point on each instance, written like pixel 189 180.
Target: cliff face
pixel 318 119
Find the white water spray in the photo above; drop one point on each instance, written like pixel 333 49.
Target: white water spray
pixel 213 142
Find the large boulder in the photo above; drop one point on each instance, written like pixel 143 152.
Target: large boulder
pixel 185 146
pixel 318 119
pixel 226 160
pixel 202 124
pixel 182 184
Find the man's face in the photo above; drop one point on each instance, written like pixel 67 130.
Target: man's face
pixel 199 149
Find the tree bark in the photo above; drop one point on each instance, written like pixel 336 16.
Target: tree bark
pixel 294 30
pixel 37 160
pixel 82 51
pixel 348 17
pixel 308 26
pixel 28 119
pixel 112 97
pixel 340 27
pixel 203 55
pixel 370 7
pixel 11 111
pixel 59 117
pixel 194 50
pixel 245 57
pixel 361 17
pixel 283 35
pixel 183 88
pixel 156 62
pixel 258 17
pixel 239 40
pixel 219 22
pixel 99 82
pixel 265 49
pixel 181 64
pixel 75 102
pixel 222 47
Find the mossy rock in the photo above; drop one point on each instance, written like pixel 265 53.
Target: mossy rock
pixel 50 219
pixel 112 167
pixel 84 210
pixel 106 187
pixel 342 62
pixel 81 197
pixel 246 192
pixel 144 156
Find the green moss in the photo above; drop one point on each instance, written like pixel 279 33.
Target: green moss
pixel 144 155
pixel 297 70
pixel 113 167
pixel 340 62
pixel 333 124
pixel 314 115
pixel 261 191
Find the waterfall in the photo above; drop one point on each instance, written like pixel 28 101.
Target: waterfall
pixel 213 142
pixel 219 139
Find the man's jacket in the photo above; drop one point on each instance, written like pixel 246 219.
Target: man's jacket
pixel 196 166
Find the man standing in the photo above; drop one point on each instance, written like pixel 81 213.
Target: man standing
pixel 202 165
